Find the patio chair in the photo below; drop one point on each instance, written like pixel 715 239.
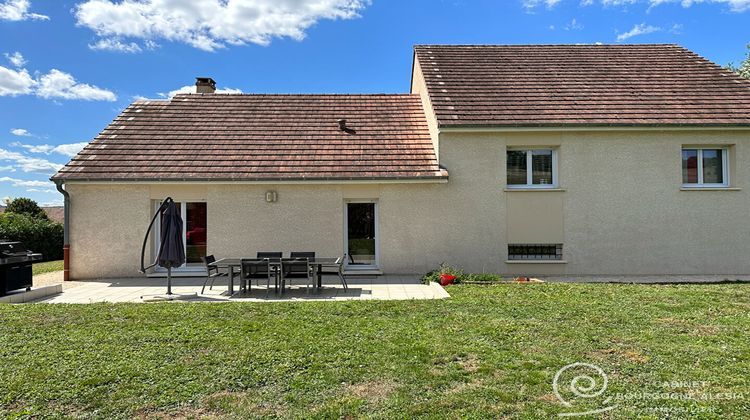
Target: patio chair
pixel 258 269
pixel 296 268
pixel 338 271
pixel 274 256
pixel 297 272
pixel 212 272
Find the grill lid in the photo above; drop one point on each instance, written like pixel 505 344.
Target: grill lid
pixel 12 248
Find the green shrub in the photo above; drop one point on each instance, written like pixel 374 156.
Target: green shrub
pixel 39 235
pixel 461 277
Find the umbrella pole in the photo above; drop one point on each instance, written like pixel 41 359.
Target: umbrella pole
pixel 169 280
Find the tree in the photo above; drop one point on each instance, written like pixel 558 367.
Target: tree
pixel 743 70
pixel 26 206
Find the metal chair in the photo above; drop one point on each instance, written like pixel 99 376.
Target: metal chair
pixel 273 256
pixel 258 269
pixel 339 271
pixel 296 268
pixel 212 272
pixel 292 272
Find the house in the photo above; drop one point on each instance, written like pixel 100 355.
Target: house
pixel 544 159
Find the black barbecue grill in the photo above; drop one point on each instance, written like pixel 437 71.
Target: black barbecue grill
pixel 15 266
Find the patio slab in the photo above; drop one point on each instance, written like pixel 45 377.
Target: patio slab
pixel 390 287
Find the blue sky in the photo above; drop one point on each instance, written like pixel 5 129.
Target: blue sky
pixel 67 68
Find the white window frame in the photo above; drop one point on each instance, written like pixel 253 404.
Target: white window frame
pixel 724 167
pixel 530 169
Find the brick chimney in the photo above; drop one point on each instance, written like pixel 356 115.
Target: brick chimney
pixel 205 85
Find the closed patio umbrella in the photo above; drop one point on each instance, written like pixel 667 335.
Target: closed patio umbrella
pixel 171 252
pixel 172 249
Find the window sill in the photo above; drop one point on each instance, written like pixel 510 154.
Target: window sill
pixel 521 189
pixel 536 262
pixel 710 189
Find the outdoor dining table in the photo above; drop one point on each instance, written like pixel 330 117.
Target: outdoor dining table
pixel 236 263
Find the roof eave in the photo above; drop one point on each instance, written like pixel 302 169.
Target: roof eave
pixel 427 178
pixel 567 127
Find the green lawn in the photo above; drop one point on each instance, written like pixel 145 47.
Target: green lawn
pixel 47 267
pixel 490 351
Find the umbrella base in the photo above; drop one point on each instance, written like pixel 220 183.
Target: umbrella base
pixel 169 297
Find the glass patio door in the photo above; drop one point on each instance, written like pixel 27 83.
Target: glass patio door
pixel 361 235
pixel 194 233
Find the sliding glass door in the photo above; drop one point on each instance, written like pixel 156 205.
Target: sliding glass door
pixel 194 232
pixel 361 234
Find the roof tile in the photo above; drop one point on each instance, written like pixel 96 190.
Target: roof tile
pixel 262 137
pixel 580 85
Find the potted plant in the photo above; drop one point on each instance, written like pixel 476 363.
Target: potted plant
pixel 448 274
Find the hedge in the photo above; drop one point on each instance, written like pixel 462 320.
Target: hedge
pixel 38 235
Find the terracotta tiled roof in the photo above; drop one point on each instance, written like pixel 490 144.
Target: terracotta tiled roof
pixel 262 137
pixel 570 85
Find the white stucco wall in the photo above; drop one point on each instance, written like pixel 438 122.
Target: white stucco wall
pixel 621 211
pixel 107 225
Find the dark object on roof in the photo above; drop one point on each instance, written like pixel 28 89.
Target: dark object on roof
pixel 580 85
pixel 262 137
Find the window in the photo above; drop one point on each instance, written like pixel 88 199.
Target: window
pixel 704 168
pixel 535 252
pixel 533 168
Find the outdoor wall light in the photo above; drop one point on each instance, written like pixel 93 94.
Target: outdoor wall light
pixel 271 196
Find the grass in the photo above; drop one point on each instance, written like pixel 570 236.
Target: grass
pixel 46 267
pixel 490 351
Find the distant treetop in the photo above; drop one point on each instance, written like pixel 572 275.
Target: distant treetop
pixel 26 206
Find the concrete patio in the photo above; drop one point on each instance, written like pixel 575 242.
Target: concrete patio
pixel 391 287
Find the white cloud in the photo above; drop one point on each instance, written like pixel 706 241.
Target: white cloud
pixel 34 148
pixel 574 25
pixel 42 190
pixel 7 168
pixel 55 84
pixel 15 82
pixel 212 24
pixel 115 44
pixel 69 150
pixel 16 59
pixel 640 29
pixel 21 132
pixel 191 89
pixel 25 183
pixel 58 84
pixel 27 163
pixel 533 4
pixel 734 5
pixel 16 10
